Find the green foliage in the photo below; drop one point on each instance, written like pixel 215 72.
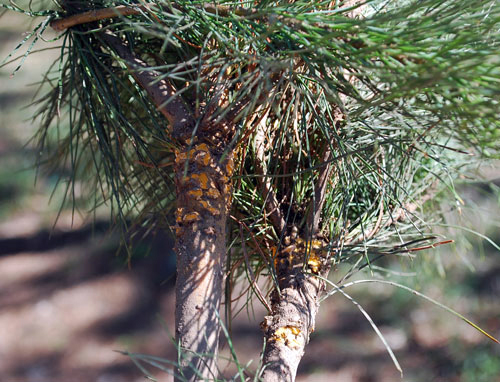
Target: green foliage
pixel 481 366
pixel 396 101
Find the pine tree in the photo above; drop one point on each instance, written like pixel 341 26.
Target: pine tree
pixel 275 139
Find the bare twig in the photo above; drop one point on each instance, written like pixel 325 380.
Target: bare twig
pixel 314 214
pixel 271 201
pixel 254 284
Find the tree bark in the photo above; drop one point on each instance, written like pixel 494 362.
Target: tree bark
pixel 203 170
pixel 204 198
pixel 294 308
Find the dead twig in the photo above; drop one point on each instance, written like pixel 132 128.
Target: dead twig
pixel 254 284
pixel 314 214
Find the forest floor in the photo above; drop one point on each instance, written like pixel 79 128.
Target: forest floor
pixel 70 303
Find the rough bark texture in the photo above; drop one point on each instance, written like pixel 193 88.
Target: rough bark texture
pixel 294 308
pixel 204 197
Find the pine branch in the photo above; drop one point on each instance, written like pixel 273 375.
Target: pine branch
pixel 125 10
pixel 163 94
pixel 96 15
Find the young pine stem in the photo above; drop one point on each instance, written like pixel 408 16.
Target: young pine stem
pixel 294 310
pixel 295 304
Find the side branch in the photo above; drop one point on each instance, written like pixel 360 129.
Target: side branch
pixel 96 15
pixel 163 94
pixel 125 10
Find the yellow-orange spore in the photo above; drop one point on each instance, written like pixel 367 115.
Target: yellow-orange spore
pixel 203 158
pixel 182 156
pixel 317 244
pixel 196 193
pixel 178 231
pixel 314 262
pixel 202 180
pixel 202 147
pixel 229 166
pixel 179 214
pixel 290 335
pixel 227 189
pixel 208 207
pixel 213 193
pixel 191 217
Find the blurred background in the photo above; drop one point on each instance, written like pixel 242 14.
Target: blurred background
pixel 70 300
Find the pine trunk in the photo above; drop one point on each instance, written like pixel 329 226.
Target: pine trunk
pixel 204 198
